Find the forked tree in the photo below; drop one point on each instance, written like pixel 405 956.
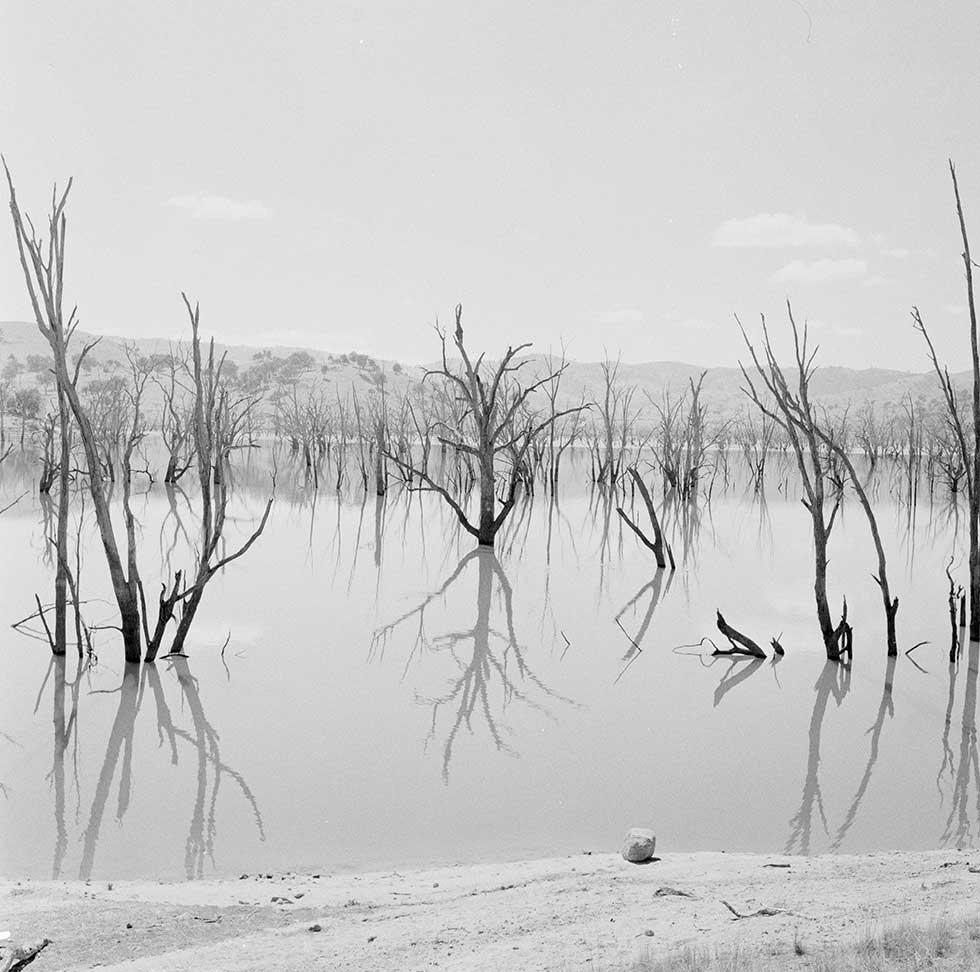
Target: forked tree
pixel 833 440
pixel 491 425
pixel 967 440
pixel 217 422
pixel 796 415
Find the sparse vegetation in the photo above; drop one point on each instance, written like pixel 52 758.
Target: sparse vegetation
pixel 904 947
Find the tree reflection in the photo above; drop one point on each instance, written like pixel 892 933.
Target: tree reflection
pixel 64 730
pixel 489 661
pixel 655 587
pixel 120 744
pixel 835 680
pixel 886 707
pixel 117 762
pixel 738 670
pixel 964 765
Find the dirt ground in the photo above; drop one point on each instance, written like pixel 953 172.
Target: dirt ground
pixel 581 912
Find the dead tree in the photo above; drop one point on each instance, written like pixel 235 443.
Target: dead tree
pixel 659 544
pixel 740 644
pixel 890 604
pixel 216 421
pixel 794 413
pixel 617 418
pixel 955 596
pixel 490 425
pixel 174 417
pixel 217 429
pixel 43 268
pixel 969 444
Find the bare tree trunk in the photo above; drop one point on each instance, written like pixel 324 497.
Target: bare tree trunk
pixel 820 589
pixel 488 485
pixel 61 541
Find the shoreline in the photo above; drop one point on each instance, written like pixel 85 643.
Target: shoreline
pixel 583 911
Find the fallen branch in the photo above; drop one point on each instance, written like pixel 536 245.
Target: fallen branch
pixel 666 892
pixel 761 913
pixel 23 955
pixel 741 644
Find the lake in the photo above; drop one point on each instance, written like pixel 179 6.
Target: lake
pixel 389 696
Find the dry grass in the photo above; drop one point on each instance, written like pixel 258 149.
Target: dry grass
pixel 941 945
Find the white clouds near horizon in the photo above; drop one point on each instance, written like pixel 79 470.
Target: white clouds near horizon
pixel 820 271
pixel 781 230
pixel 205 205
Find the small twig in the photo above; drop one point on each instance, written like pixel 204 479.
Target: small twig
pixel 761 913
pixel 666 891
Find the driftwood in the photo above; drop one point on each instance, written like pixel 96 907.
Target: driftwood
pixel 23 955
pixel 761 913
pixel 740 644
pixel 667 892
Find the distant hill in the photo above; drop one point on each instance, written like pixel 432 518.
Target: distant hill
pixel 836 387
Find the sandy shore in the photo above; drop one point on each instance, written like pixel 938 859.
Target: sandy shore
pixel 581 912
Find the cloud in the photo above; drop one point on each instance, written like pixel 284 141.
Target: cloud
pixel 820 271
pixel 693 324
pixel 620 315
pixel 840 330
pixel 782 229
pixel 206 205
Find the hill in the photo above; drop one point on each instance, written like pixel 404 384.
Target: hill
pixel 835 386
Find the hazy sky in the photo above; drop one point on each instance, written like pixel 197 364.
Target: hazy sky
pixel 620 175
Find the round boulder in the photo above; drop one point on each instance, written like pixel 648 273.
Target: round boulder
pixel 639 845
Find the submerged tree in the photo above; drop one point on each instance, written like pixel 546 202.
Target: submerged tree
pixel 43 268
pixel 796 415
pixel 969 444
pixel 889 603
pixel 217 424
pixel 490 425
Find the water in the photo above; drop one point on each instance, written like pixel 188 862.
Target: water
pixel 390 697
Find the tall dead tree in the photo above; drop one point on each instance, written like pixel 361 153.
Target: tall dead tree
pixel 969 444
pixel 794 413
pixel 216 423
pixel 491 426
pixel 43 264
pixel 217 429
pixel 889 603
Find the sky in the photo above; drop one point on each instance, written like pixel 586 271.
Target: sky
pixel 622 177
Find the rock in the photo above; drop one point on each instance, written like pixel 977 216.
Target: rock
pixel 317 927
pixel 639 845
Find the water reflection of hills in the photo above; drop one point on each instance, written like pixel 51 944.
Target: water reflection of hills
pixel 490 669
pixel 116 776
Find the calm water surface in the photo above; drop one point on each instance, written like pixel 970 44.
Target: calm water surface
pixel 389 696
